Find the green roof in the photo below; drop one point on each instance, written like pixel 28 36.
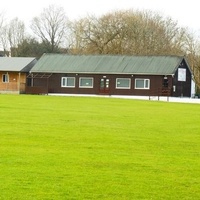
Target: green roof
pixel 107 64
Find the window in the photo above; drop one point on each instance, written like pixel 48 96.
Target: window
pixel 123 83
pixel 68 82
pixel 142 83
pixel 5 78
pixel 86 82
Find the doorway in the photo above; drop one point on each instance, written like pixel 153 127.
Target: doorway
pixel 104 86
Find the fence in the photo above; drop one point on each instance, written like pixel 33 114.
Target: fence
pixel 164 91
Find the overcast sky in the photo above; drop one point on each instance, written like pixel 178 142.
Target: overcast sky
pixel 187 14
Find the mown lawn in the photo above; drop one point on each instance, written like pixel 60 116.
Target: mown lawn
pixel 98 148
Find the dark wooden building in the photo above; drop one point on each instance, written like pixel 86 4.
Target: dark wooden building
pixel 110 75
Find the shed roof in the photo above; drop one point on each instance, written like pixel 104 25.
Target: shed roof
pixel 16 64
pixel 107 64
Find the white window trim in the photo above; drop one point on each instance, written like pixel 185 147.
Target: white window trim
pixel 7 75
pixel 86 86
pixel 66 82
pixel 144 79
pixel 129 87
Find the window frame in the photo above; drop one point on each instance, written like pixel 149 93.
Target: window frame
pixel 67 86
pixel 80 86
pixel 5 78
pixel 142 88
pixel 117 87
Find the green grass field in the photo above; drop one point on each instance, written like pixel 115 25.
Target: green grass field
pixel 98 148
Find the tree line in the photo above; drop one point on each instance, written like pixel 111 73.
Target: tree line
pixel 129 32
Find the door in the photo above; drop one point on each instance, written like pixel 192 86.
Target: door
pixel 104 86
pixel 166 90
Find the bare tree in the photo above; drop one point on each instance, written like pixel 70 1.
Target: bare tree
pixel 3 32
pixel 16 34
pixel 50 26
pixel 128 32
pixel 77 36
pixel 4 38
pixel 96 35
pixel 192 49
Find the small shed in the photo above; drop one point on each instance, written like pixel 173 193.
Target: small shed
pixel 111 75
pixel 13 73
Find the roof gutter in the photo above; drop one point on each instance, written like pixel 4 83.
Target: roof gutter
pixel 108 73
